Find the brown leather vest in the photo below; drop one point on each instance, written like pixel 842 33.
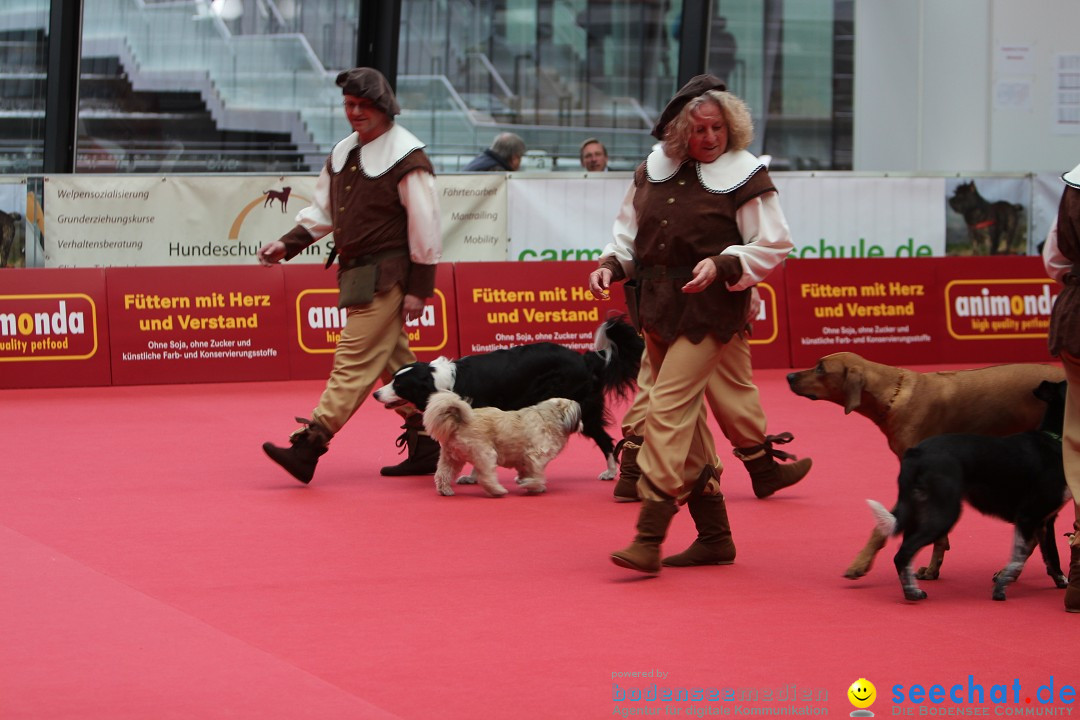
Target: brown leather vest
pixel 680 223
pixel 1065 320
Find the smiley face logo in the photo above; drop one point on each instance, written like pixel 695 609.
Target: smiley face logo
pixel 862 693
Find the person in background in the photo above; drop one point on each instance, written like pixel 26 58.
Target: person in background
pixel 593 155
pixel 1061 256
pixel 505 154
pixel 699 226
pixel 376 194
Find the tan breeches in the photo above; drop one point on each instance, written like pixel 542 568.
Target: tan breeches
pixel 373 345
pixel 678 444
pixel 730 393
pixel 1070 440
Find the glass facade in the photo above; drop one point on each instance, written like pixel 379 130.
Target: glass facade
pixel 23 52
pixel 247 85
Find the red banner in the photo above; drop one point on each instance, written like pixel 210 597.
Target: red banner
pixel 314 320
pixel 886 311
pixel 80 327
pixel 54 328
pixel 996 308
pixel 922 310
pixel 206 324
pixel 769 339
pixel 504 304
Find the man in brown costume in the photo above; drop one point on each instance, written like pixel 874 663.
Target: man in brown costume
pixel 699 226
pixel 1061 254
pixel 376 194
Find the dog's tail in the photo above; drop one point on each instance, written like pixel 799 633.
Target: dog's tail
pixel 616 357
pixel 886 521
pixel 446 412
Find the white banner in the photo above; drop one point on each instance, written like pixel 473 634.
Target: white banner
pixel 552 218
pixel 571 219
pixel 474 214
pixel 109 221
pixel 833 217
pixel 99 221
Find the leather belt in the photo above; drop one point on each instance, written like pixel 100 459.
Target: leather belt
pixel 666 272
pixel 346 263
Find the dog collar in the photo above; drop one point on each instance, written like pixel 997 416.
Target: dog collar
pixel 896 391
pixel 983 225
pixel 1053 436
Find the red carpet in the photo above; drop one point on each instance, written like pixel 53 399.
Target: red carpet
pixel 155 564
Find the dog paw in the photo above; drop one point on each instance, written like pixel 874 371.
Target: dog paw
pixel 466 480
pixel 925 573
pixel 915 595
pixel 496 491
pixel 999 593
pixel 606 475
pixel 855 572
pixel 1061 581
pixel 445 492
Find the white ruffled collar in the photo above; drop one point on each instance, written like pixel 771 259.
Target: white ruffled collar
pixel 379 155
pixel 1073 177
pixel 722 175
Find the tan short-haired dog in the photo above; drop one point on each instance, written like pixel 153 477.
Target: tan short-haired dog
pixel 525 440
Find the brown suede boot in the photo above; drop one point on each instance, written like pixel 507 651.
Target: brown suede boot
pixel 1072 592
pixel 713 545
pixel 643 554
pixel 767 475
pixel 306 446
pixel 626 486
pixel 423 457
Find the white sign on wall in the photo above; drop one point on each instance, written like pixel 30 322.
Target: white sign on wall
pixel 864 217
pixel 100 221
pixel 554 218
pixel 474 218
pixel 116 221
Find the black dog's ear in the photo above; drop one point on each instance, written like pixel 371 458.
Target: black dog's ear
pixel 1047 391
pixel 854 382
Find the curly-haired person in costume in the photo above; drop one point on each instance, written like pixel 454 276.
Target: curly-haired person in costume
pixel 699 226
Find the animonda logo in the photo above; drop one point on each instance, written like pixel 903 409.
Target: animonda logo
pixel 47 327
pixel 282 196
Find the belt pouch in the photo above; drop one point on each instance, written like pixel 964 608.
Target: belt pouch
pixel 633 302
pixel 356 286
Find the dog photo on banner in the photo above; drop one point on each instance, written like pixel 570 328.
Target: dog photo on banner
pixel 987 216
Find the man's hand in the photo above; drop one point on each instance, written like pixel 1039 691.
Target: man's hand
pixel 412 307
pixel 271 253
pixel 704 274
pixel 754 307
pixel 599 282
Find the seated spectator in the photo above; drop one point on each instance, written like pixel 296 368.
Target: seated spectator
pixel 593 155
pixel 504 154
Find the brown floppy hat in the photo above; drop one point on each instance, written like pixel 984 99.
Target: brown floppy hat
pixel 369 83
pixel 698 85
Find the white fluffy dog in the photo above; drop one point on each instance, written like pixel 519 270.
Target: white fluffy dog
pixel 525 440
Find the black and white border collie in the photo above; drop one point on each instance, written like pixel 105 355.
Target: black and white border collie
pixel 525 375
